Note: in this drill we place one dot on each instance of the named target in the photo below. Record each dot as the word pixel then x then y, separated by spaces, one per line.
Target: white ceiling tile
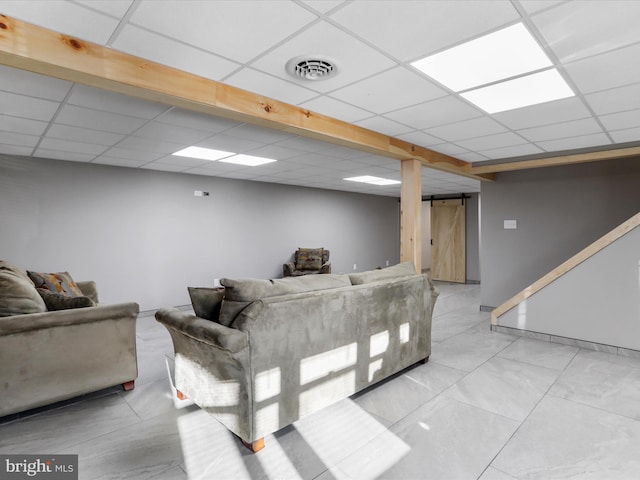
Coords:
pixel 97 120
pixel 333 108
pixel 471 157
pixel 270 86
pixel 22 125
pixel 71 146
pixel 18 139
pixel 374 94
pixel 515 151
pixel 171 133
pixel 532 6
pixel 136 155
pixel 115 8
pixel 15 150
pixel 217 168
pixel 257 134
pixel 62 155
pixel 64 17
pixel 198 121
pixel 561 130
pixel 575 142
pixel 184 162
pixel 31 84
pixel 119 162
pixel 155 146
pixel 437 112
pixel 89 97
pixel 609 70
pixel 448 149
pixel 615 100
pixel 27 107
pixel 65 132
pixel 276 152
pixel 408 29
pixel 618 121
pixel 419 138
pixel 543 114
pixel 227 143
pixel 595 27
pixel 475 127
pixel 210 25
pixel 354 59
pixel 159 49
pixel 163 167
pixel 627 135
pixel 323 6
pixel 384 126
pixel 492 141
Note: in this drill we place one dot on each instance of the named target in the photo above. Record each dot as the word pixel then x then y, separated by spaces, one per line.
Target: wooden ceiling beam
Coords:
pixel 555 161
pixel 39 50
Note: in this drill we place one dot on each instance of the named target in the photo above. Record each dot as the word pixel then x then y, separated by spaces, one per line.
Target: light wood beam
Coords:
pixel 555 161
pixel 410 213
pixel 36 49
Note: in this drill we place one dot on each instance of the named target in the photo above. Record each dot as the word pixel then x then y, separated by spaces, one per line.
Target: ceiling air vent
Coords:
pixel 311 68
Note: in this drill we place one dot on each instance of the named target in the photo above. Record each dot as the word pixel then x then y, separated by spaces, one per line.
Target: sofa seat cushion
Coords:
pixel 240 293
pixel 60 282
pixel 19 295
pixel 58 301
pixel 405 269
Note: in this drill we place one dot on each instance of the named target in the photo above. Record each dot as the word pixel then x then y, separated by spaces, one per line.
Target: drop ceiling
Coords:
pixel 594 45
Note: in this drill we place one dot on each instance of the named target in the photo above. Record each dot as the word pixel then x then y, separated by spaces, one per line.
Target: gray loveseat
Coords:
pixel 49 356
pixel 277 350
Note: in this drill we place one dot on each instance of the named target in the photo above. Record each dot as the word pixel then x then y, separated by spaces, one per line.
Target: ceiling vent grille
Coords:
pixel 311 68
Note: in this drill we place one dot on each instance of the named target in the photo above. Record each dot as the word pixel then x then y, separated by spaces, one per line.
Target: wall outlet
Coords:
pixel 216 282
pixel 200 193
pixel 386 263
pixel 510 224
pixel 355 267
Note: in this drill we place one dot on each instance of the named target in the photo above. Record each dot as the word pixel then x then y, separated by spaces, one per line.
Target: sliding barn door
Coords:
pixel 448 234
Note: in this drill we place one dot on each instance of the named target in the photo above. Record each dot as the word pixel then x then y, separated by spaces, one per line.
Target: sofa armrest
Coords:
pixel 60 318
pixel 326 267
pixel 207 331
pixel 89 289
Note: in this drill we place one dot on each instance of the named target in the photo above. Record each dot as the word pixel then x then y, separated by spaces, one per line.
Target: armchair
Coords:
pixel 308 261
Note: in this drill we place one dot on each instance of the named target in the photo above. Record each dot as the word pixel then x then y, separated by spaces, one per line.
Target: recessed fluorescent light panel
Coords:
pixel 202 153
pixel 247 160
pixel 373 180
pixel 493 59
pixel 524 91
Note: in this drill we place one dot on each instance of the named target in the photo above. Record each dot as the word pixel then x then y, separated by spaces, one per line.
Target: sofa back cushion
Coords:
pixel 19 295
pixel 405 269
pixel 240 293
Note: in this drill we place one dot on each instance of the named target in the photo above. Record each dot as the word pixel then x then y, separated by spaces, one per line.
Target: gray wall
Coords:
pixel 597 301
pixel 559 211
pixel 144 236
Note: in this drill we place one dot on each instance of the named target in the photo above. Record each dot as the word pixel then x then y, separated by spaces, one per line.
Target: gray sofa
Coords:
pixel 282 349
pixel 49 356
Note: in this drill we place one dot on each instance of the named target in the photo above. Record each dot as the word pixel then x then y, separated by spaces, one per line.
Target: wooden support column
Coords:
pixel 410 213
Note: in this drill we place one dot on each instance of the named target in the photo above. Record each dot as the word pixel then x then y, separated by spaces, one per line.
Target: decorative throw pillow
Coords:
pixel 309 258
pixel 58 301
pixel 19 295
pixel 60 282
pixel 206 301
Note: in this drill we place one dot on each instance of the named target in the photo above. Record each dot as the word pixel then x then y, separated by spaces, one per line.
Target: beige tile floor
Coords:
pixel 487 406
